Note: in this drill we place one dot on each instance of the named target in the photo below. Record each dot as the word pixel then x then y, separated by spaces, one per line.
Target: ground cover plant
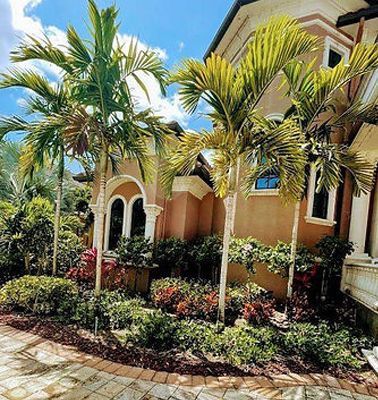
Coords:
pixel 129 326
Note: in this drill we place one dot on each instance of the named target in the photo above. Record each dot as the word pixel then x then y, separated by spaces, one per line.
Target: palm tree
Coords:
pixel 107 124
pixel 244 144
pixel 45 142
pixel 317 105
pixel 16 187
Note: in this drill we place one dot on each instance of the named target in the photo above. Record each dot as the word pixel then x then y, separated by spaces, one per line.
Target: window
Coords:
pixel 267 181
pixel 321 205
pixel 334 58
pixel 138 218
pixel 117 212
pixel 320 202
pixel 334 52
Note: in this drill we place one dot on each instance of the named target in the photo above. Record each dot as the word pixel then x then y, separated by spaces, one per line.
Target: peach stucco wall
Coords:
pixel 187 217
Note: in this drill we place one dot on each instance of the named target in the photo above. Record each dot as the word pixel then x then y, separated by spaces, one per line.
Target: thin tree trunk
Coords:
pixel 225 251
pixel 58 206
pixel 293 252
pixel 101 217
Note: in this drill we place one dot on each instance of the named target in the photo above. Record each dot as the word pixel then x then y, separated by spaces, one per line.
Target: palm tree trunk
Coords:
pixel 224 264
pixel 101 217
pixel 293 252
pixel 228 225
pixel 58 206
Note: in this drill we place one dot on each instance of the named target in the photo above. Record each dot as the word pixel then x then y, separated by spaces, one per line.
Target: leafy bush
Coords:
pixel 171 255
pixel 135 252
pixel 248 345
pixel 258 312
pixel 115 309
pixel 324 345
pixel 40 295
pixel 113 276
pixel 191 299
pixel 70 248
pixel 153 330
pixel 246 251
pixel 205 254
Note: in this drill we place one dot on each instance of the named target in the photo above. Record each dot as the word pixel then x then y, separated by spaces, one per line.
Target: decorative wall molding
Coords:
pixel 192 184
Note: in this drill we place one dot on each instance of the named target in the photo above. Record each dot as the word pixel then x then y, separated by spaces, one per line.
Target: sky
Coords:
pixel 175 29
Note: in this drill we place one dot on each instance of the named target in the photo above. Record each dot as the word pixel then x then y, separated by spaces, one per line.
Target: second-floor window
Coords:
pixel 269 180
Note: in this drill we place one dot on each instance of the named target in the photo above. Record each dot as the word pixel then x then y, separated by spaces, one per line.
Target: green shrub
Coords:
pixel 171 255
pixel 114 309
pixel 153 330
pixel 324 345
pixel 40 295
pixel 248 345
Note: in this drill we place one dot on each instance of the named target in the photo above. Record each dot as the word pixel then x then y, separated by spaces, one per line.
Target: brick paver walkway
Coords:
pixel 33 368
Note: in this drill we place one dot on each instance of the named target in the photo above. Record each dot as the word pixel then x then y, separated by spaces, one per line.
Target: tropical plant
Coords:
pixel 16 186
pixel 244 144
pixel 319 104
pixel 106 124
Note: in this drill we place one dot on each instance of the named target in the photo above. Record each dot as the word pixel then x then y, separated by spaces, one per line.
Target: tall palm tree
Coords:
pixel 107 124
pixel 45 142
pixel 244 143
pixel 316 97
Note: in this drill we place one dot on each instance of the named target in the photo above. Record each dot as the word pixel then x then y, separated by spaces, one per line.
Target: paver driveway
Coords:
pixel 32 368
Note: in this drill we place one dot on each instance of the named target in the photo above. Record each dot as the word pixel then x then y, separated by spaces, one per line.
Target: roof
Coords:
pixel 236 6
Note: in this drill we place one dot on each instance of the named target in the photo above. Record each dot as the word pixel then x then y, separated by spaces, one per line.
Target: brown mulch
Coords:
pixel 108 347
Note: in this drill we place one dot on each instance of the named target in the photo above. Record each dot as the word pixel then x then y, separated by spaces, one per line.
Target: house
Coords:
pixel 133 207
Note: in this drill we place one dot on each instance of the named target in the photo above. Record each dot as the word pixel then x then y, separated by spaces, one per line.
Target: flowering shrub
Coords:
pixel 113 276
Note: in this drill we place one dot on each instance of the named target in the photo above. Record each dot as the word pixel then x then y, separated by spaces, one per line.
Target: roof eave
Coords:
pixel 236 6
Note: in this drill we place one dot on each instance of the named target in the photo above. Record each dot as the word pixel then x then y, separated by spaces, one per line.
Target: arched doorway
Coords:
pixel 137 217
pixel 115 222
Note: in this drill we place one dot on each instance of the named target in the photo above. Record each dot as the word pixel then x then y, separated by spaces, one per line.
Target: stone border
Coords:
pixel 266 386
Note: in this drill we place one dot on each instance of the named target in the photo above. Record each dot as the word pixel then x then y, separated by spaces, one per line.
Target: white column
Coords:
pixel 152 212
pixel 374 226
pixel 358 225
pixel 94 209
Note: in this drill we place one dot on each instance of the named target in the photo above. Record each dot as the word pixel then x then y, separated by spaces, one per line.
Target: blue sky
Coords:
pixel 177 29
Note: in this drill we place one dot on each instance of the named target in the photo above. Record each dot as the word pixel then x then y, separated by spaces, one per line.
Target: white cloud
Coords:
pixel 181 46
pixel 18 20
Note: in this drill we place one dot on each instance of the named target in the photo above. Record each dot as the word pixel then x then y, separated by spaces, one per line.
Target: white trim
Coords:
pixel 118 180
pixel 152 212
pixel 264 192
pixel 328 28
pixel 319 221
pixel 192 184
pixel 108 218
pixel 329 221
pixel 130 213
pixel 277 117
pixel 339 48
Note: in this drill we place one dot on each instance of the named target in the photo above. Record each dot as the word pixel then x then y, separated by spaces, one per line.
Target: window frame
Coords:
pixel 130 212
pixel 329 221
pixel 108 218
pixel 332 44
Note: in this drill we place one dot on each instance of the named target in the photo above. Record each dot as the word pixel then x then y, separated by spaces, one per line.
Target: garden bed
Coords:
pixel 108 347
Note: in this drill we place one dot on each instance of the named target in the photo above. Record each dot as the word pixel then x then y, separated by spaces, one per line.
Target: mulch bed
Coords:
pixel 108 347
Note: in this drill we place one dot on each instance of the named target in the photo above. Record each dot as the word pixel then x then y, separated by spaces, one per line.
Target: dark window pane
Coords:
pixel 334 58
pixel 116 223
pixel 138 220
pixel 320 208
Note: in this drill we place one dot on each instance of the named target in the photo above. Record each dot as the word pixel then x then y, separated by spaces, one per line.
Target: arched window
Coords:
pixel 117 213
pixel 138 218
